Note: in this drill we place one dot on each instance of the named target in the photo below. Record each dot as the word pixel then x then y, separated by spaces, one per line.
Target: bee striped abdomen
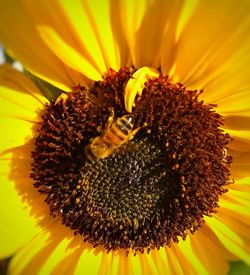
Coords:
pixel 119 130
pixel 112 137
pixel 125 125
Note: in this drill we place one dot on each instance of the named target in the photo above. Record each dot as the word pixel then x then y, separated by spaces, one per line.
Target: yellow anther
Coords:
pixel 135 85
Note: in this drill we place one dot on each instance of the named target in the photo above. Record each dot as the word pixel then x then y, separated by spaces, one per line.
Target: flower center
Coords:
pixel 149 188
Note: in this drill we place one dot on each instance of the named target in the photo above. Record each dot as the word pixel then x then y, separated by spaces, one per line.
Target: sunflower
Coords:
pixel 161 87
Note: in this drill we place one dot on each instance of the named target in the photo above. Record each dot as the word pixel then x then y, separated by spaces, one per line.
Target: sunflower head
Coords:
pixel 127 131
pixel 146 192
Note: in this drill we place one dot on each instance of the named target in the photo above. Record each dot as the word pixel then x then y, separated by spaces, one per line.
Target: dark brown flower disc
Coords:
pixel 149 191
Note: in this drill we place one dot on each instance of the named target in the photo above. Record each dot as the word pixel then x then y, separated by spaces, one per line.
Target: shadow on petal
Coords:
pixel 237 122
pixel 53 232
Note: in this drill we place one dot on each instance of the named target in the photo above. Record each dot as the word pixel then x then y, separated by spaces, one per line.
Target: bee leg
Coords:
pixel 110 119
pixel 133 133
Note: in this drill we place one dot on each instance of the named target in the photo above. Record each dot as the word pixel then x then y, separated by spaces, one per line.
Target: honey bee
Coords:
pixel 113 136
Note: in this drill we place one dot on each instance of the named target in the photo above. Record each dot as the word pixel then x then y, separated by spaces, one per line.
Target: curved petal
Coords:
pixel 231 222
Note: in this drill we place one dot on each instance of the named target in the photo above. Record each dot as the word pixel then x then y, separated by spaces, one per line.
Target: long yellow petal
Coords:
pixel 17 224
pixel 92 23
pixel 241 163
pixel 204 48
pixel 230 239
pixel 20 102
pixel 144 34
pixel 31 258
pixel 67 54
pixel 241 140
pixel 31 51
pixel 173 16
pixel 231 222
pixel 89 262
pixel 191 257
pixel 131 14
pixel 211 252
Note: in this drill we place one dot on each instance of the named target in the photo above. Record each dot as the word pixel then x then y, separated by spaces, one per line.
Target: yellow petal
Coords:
pixel 131 14
pixel 32 52
pixel 239 149
pixel 216 58
pixel 191 257
pixel 242 184
pixel 51 253
pixel 161 260
pixel 18 225
pixel 209 45
pixel 110 263
pixel 230 239
pixel 241 163
pixel 241 140
pixel 89 262
pixel 128 265
pixel 211 252
pixel 240 227
pixel 20 102
pixel 92 23
pixel 173 15
pixel 68 262
pixel 232 220
pixel 33 256
pixel 15 80
pixel 228 86
pixel 235 122
pixel 231 223
pixel 147 264
pixel 67 54
pixel 79 29
pixel 100 20
pixel 179 254
pixel 144 34
pixel 174 263
pixel 232 101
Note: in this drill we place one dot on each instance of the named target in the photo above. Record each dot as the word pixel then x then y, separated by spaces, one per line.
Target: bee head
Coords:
pixel 130 119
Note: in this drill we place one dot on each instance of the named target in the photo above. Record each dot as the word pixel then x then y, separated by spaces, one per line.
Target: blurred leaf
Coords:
pixel 48 90
pixel 239 268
